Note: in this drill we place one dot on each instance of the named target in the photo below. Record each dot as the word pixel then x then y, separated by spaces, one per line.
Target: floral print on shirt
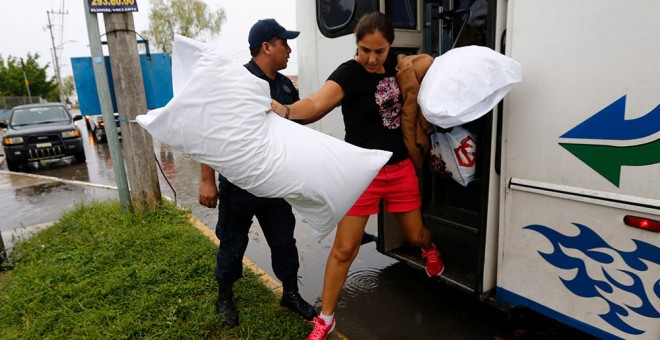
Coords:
pixel 388 98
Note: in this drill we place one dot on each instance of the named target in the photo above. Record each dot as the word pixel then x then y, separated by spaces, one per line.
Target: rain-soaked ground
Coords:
pixel 382 298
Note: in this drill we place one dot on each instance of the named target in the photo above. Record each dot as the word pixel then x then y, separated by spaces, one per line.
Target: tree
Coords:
pixel 190 18
pixel 12 82
pixel 69 86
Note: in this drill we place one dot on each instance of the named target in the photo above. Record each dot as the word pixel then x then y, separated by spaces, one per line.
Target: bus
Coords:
pixel 563 217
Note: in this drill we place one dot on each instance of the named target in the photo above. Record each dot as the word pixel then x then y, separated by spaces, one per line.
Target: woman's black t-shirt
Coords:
pixel 371 107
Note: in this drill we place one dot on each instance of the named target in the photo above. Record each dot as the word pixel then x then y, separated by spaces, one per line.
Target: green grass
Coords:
pixel 99 273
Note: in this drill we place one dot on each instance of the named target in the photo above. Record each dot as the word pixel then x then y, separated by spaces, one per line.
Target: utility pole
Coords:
pixel 27 82
pixel 105 101
pixel 56 61
pixel 137 144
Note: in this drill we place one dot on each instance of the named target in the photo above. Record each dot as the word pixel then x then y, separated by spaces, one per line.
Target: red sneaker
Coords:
pixel 434 265
pixel 321 330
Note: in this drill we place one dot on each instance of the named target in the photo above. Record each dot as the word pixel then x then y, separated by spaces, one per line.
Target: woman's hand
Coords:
pixel 278 108
pixel 309 110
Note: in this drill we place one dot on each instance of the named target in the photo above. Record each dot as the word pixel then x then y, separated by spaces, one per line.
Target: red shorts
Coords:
pixel 396 184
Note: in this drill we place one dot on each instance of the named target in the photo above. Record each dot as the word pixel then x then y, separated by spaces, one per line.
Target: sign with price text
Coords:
pixel 112 6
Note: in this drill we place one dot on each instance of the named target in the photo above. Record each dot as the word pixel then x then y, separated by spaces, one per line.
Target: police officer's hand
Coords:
pixel 208 194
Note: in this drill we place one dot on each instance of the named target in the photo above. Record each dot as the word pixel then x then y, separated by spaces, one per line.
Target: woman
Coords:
pixel 367 90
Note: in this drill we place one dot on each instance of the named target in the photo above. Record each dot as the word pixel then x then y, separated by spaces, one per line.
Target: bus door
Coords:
pixel 461 219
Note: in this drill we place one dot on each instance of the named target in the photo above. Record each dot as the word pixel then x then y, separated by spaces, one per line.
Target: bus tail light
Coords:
pixel 642 223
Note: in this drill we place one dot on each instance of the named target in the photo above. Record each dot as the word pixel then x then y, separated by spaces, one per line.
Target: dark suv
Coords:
pixel 39 132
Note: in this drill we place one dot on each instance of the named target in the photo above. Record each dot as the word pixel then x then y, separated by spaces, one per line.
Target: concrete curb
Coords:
pixel 57 179
pixel 11 236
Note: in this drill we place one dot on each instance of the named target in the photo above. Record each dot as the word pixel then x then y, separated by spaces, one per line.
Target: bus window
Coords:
pixel 335 14
pixel 402 12
pixel 466 24
pixel 336 18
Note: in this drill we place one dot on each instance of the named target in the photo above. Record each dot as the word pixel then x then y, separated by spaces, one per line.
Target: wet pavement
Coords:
pixel 382 298
pixel 31 202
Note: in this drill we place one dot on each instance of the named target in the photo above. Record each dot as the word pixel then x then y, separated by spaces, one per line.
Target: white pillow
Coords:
pixel 218 117
pixel 464 84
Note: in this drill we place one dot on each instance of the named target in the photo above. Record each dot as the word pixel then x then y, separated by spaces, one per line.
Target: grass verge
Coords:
pixel 101 273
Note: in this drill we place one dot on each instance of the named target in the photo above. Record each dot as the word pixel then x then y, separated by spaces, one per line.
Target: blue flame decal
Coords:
pixel 590 244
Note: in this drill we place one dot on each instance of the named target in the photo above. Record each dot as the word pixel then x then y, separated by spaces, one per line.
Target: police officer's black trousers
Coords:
pixel 237 208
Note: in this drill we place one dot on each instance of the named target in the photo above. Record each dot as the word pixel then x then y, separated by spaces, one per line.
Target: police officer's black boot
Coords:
pixel 292 300
pixel 225 304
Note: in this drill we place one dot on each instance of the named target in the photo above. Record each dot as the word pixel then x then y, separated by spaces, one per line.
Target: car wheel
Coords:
pixel 80 157
pixel 13 166
pixel 99 136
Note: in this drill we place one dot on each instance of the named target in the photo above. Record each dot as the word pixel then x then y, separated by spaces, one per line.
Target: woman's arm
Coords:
pixel 309 110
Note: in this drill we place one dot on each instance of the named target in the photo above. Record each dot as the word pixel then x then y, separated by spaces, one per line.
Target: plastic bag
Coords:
pixel 218 117
pixel 454 154
pixel 464 84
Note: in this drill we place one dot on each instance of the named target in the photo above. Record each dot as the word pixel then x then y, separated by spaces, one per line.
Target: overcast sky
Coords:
pixel 23 28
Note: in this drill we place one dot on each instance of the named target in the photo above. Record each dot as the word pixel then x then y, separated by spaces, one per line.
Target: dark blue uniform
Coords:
pixel 238 207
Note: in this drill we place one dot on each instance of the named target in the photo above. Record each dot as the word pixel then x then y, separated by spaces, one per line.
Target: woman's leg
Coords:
pixel 413 228
pixel 416 233
pixel 344 250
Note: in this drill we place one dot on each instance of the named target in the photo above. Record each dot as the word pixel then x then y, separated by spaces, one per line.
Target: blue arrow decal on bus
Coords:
pixel 610 124
pixel 594 249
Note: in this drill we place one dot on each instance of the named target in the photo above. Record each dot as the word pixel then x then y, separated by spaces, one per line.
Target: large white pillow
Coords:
pixel 464 84
pixel 218 117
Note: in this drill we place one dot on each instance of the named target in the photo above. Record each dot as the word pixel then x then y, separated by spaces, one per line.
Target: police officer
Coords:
pixel 270 54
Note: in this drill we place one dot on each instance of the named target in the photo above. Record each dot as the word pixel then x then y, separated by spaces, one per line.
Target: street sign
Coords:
pixel 112 6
